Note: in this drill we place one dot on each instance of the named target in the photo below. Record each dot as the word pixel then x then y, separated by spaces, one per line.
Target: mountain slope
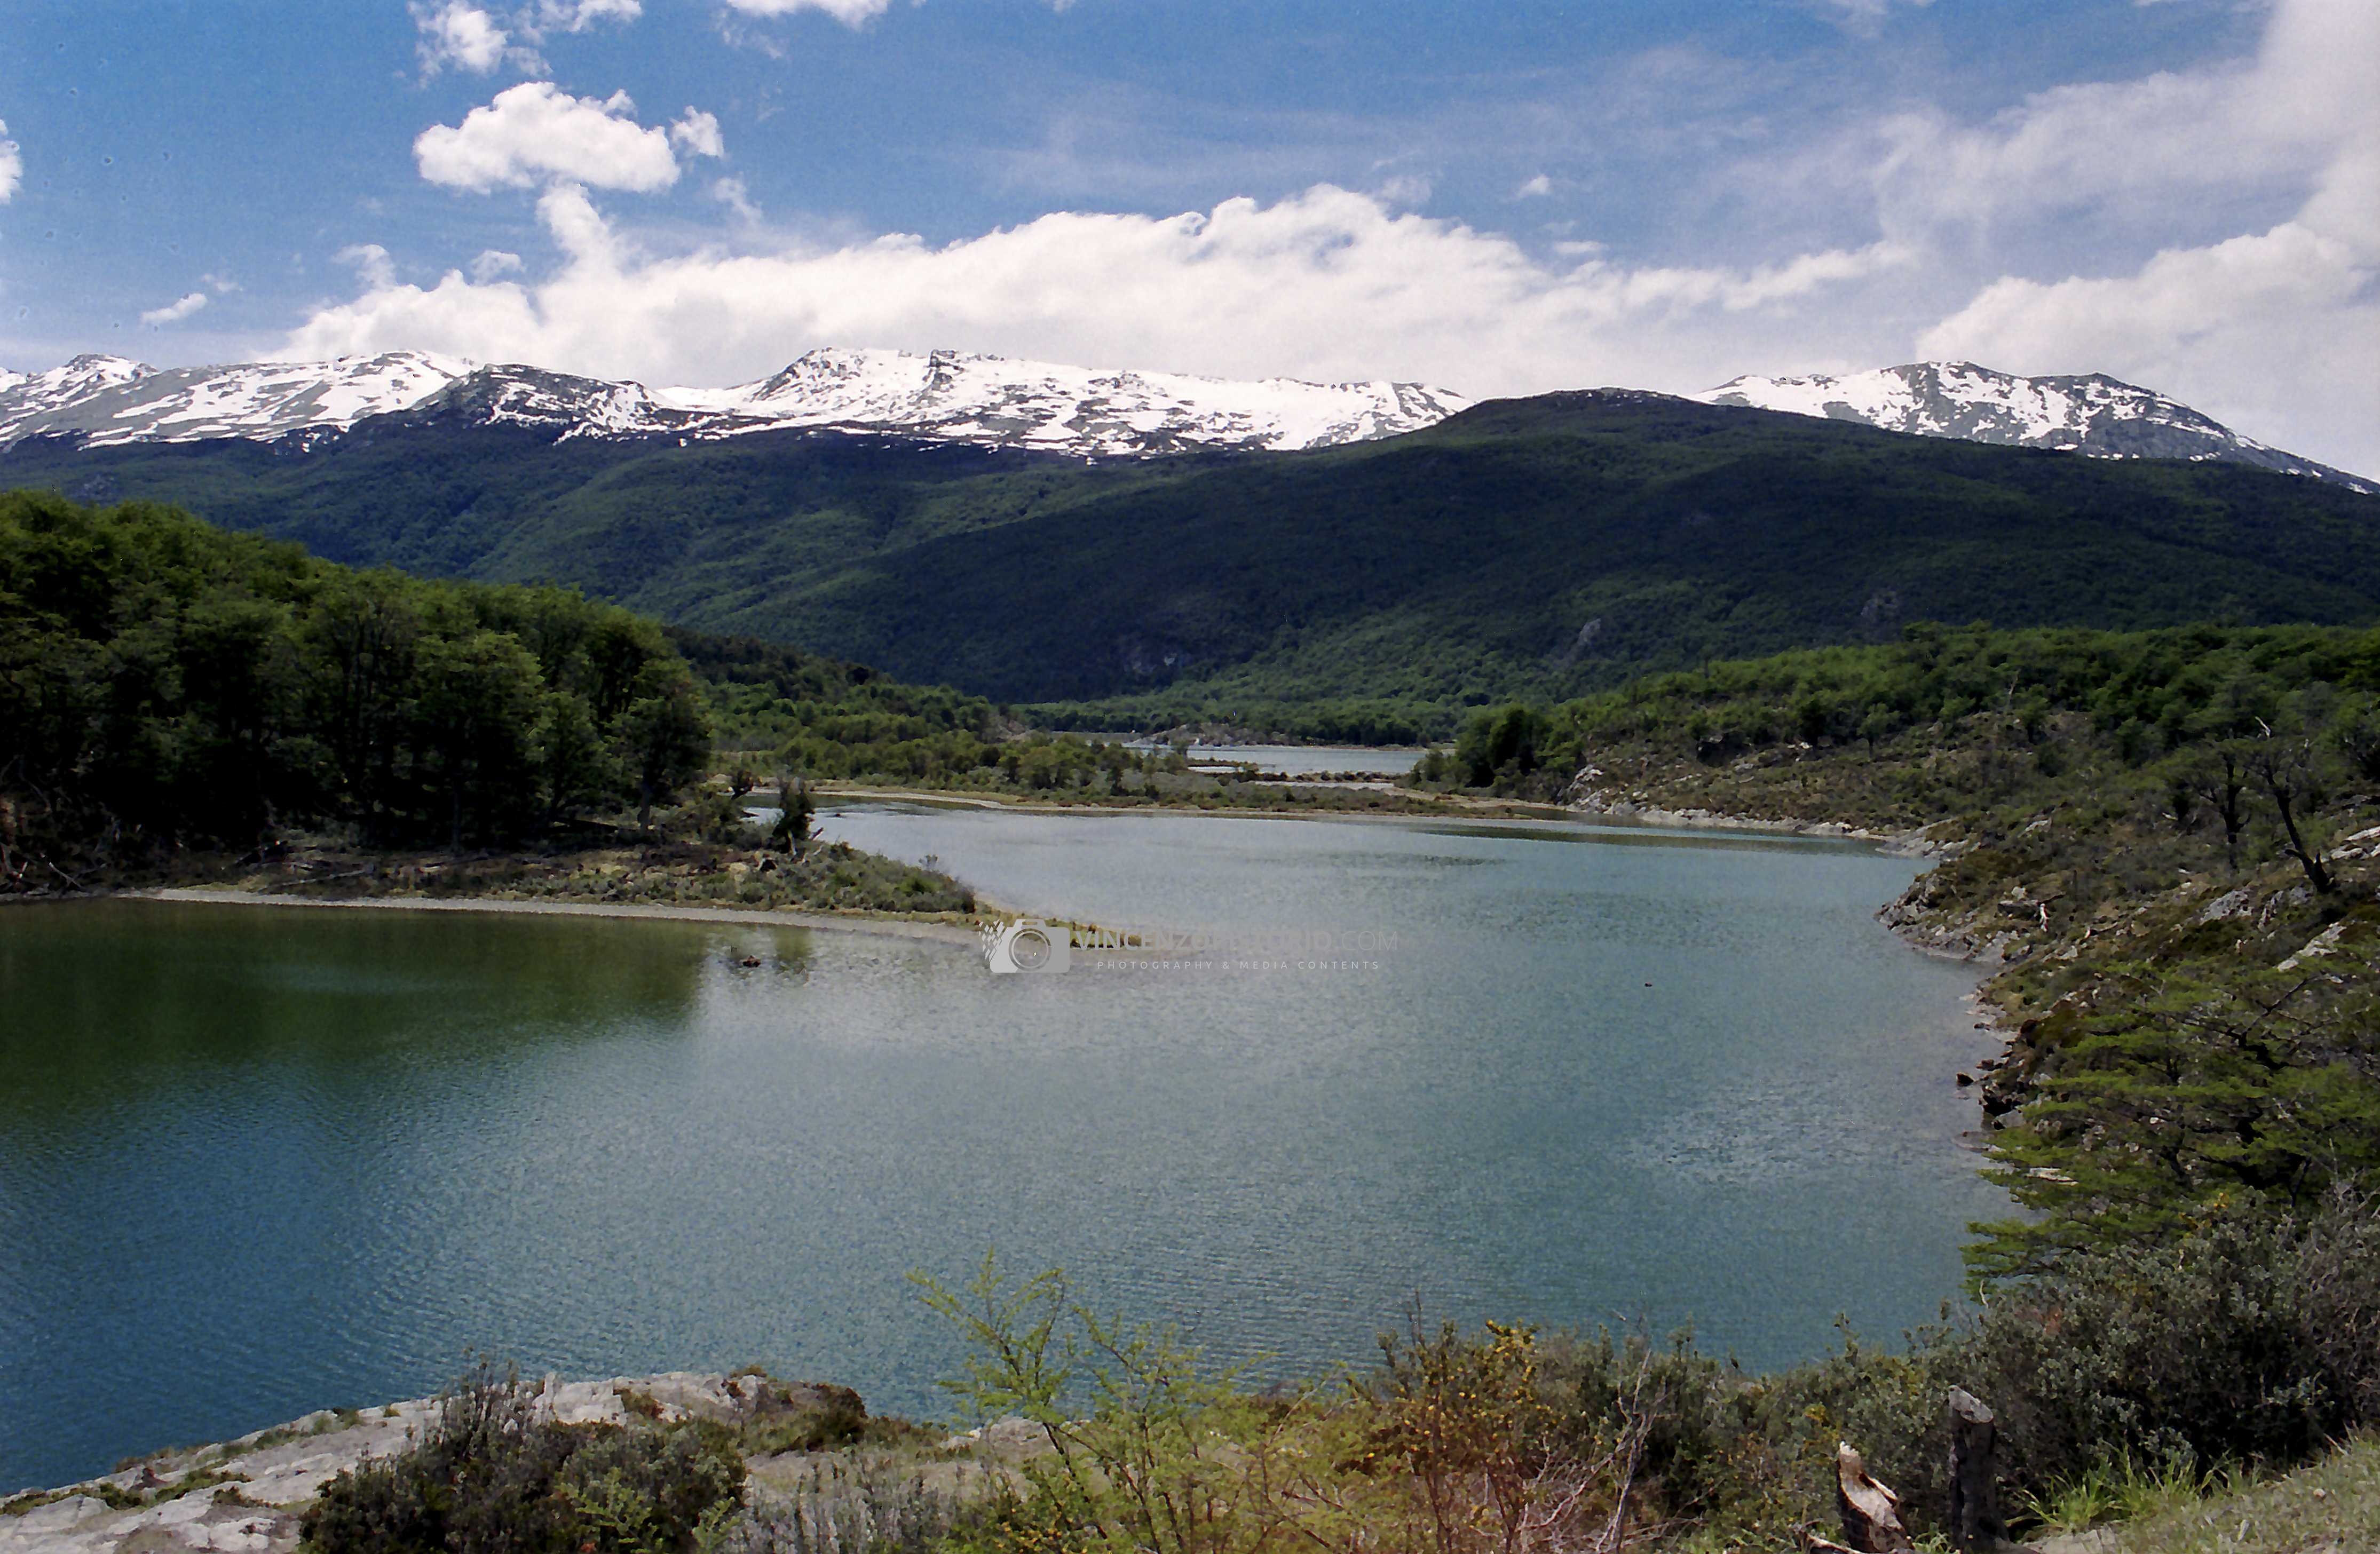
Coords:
pixel 947 396
pixel 1539 547
pixel 2092 413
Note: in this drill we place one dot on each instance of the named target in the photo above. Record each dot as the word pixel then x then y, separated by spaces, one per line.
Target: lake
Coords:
pixel 1305 761
pixel 257 1161
pixel 1291 760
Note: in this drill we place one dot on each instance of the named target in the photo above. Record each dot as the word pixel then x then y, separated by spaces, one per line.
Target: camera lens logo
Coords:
pixel 1027 945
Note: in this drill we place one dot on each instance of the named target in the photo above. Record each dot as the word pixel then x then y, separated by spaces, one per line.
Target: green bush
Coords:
pixel 2255 1339
pixel 496 1473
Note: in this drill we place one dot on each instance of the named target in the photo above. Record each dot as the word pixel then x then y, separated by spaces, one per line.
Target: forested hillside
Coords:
pixel 1541 548
pixel 165 684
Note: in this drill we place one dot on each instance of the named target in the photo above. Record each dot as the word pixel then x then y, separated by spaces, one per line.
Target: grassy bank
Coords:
pixel 2333 1504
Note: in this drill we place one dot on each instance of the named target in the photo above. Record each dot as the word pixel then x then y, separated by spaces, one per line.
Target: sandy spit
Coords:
pixel 891 927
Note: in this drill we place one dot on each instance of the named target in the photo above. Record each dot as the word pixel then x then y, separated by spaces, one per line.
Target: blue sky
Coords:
pixel 1497 198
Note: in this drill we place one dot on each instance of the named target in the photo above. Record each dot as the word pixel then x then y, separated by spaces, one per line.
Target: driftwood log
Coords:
pixel 1975 1521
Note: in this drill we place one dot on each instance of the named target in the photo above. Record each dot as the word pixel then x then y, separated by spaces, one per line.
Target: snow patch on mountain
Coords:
pixel 990 399
pixel 108 399
pixel 944 395
pixel 2089 414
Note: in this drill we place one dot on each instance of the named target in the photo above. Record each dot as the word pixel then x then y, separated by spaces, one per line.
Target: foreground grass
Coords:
pixel 2330 1507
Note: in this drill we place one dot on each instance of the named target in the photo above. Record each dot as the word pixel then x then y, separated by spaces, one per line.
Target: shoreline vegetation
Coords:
pixel 1092 1435
pixel 2160 849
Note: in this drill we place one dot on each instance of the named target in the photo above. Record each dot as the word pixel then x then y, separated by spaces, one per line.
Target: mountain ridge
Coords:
pixel 2088 413
pixel 1540 547
pixel 942 395
pixel 1084 413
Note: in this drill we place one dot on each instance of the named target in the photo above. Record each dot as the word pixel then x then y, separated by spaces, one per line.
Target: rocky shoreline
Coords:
pixel 248 1495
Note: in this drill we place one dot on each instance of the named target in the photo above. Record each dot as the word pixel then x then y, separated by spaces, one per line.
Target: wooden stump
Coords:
pixel 1975 1519
pixel 1871 1512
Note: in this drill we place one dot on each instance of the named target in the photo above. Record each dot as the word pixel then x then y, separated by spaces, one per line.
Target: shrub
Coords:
pixel 2253 1339
pixel 496 1471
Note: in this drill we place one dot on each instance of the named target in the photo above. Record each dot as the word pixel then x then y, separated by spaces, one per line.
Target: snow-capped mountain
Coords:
pixel 2093 414
pixel 992 401
pixel 106 399
pixel 945 396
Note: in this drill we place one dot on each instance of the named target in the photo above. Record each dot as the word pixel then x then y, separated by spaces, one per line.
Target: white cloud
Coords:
pixel 536 132
pixel 459 34
pixel 2274 329
pixel 699 133
pixel 851 13
pixel 2212 232
pixel 2130 148
pixel 732 193
pixel 2278 328
pixel 373 266
pixel 492 262
pixel 1863 16
pixel 12 165
pixel 577 15
pixel 222 285
pixel 1328 283
pixel 176 311
pixel 469 36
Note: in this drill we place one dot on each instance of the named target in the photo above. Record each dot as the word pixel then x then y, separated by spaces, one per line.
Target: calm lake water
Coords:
pixel 1295 760
pixel 255 1161
pixel 1301 760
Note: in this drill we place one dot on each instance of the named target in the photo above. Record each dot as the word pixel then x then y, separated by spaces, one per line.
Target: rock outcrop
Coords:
pixel 247 1495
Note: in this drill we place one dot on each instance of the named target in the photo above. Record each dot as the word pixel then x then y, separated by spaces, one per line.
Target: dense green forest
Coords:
pixel 1542 548
pixel 822 717
pixel 165 684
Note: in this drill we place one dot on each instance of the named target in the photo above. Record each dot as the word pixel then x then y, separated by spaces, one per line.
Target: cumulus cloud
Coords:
pixel 2210 232
pixel 851 13
pixel 175 311
pixel 374 269
pixel 536 132
pixel 699 133
pixel 2276 326
pixel 463 36
pixel 12 165
pixel 2233 130
pixel 1328 283
pixel 732 193
pixel 492 262
pixel 459 34
pixel 2269 330
pixel 577 15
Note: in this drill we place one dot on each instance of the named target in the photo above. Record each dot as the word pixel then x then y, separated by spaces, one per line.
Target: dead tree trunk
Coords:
pixel 1974 1474
pixel 1871 1513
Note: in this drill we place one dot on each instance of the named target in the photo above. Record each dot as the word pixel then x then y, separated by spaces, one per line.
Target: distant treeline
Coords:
pixel 2153 695
pixel 820 717
pixel 795 712
pixel 1354 721
pixel 166 683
